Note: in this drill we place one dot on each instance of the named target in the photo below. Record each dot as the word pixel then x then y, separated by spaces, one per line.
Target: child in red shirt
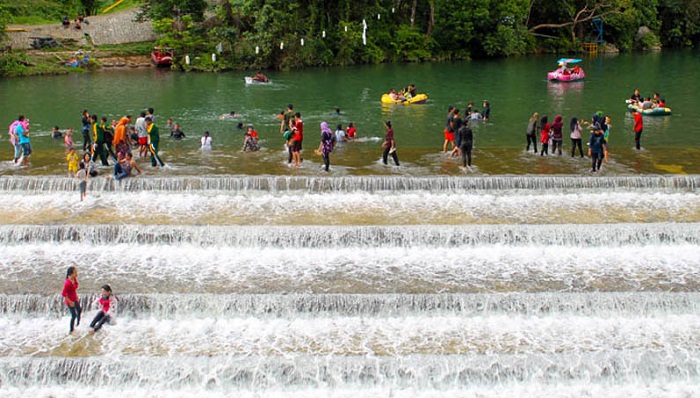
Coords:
pixel 106 302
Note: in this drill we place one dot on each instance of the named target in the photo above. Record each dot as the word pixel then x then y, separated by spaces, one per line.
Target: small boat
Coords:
pixel 564 74
pixel 416 99
pixel 658 111
pixel 253 80
pixel 162 56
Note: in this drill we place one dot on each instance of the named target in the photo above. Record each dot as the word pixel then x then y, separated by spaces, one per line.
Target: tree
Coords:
pixel 582 14
pixel 158 9
pixel 89 6
pixel 4 20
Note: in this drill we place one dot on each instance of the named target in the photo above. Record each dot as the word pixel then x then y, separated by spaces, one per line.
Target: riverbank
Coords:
pixel 107 41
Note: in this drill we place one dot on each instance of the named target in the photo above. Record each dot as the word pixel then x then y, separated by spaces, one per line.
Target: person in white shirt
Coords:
pixel 206 141
pixel 140 126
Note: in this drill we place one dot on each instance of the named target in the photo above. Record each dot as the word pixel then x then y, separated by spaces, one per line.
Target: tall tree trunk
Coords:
pixel 413 12
pixel 431 21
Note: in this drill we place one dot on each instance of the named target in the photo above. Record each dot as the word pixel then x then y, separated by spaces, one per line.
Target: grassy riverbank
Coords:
pixel 53 61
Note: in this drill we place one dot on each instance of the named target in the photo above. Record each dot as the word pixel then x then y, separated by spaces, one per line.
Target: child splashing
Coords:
pixel 106 302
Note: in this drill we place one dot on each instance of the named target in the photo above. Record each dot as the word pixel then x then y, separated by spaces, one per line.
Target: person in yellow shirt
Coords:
pixel 72 159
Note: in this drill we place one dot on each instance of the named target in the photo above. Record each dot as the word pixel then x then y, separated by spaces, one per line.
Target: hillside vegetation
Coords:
pixel 285 34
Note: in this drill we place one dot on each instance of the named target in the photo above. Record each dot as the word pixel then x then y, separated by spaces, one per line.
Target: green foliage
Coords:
pixel 410 45
pixel 90 7
pixel 160 9
pixel 406 31
pixel 5 18
pixel 680 22
pixel 183 36
pixel 38 11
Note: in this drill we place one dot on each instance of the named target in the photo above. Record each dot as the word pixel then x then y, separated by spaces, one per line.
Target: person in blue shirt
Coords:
pixel 22 131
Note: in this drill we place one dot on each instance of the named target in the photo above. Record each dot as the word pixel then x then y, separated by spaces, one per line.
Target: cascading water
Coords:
pixel 354 286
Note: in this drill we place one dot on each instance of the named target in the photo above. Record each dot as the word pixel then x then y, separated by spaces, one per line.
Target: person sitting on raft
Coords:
pixel 393 95
pixel 410 91
pixel 648 104
pixel 636 97
pixel 259 77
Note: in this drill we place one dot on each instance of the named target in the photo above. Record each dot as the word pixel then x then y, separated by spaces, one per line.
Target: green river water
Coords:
pixel 515 87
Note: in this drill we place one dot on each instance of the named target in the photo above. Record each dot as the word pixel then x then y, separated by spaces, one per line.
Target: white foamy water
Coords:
pixel 188 268
pixel 354 286
pixel 350 208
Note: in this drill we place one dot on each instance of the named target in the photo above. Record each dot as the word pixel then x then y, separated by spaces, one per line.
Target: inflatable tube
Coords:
pixel 558 76
pixel 416 99
pixel 250 80
pixel 650 112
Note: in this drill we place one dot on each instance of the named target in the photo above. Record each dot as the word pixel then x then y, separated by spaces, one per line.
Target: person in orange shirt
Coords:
pixel 120 131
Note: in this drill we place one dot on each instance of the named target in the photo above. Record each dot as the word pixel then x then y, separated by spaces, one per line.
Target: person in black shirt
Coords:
pixel 177 133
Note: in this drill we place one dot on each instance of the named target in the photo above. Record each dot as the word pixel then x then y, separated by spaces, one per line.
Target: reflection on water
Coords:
pixel 558 90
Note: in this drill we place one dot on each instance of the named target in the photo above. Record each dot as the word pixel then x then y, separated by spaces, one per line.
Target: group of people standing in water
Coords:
pixel 552 136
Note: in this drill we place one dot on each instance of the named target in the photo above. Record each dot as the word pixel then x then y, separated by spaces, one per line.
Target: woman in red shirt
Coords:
pixel 70 297
pixel 544 136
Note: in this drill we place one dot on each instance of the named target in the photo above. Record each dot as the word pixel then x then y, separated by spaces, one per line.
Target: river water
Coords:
pixel 515 87
pixel 238 276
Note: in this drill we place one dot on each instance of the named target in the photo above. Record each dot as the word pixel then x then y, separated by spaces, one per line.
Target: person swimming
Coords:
pixel 229 116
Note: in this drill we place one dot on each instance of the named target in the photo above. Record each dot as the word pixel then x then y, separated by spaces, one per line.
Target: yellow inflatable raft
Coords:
pixel 416 99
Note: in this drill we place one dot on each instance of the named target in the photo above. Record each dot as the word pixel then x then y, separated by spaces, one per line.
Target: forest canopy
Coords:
pixel 286 34
pixel 289 34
